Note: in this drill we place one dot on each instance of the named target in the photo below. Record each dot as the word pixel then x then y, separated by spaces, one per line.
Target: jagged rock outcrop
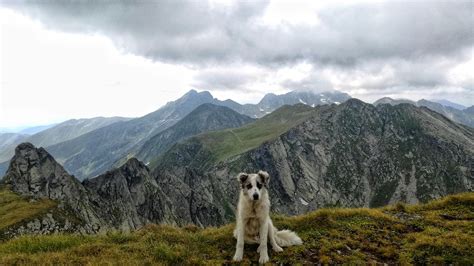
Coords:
pixel 130 197
pixel 125 198
pixel 34 172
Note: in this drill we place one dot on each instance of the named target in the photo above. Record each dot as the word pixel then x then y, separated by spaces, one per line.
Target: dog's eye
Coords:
pixel 249 186
pixel 259 185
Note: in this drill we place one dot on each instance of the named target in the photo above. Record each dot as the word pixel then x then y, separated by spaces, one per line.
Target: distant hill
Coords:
pixel 36 129
pixel 464 116
pixel 450 104
pixel 25 130
pixel 204 118
pixel 58 133
pixel 469 110
pixel 11 140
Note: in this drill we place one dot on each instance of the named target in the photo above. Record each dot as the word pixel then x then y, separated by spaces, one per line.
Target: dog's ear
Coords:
pixel 264 176
pixel 242 177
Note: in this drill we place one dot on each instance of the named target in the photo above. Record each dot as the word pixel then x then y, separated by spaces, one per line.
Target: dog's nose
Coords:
pixel 255 196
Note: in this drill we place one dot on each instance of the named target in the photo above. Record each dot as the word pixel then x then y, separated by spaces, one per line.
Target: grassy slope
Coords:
pixel 226 143
pixel 230 142
pixel 15 209
pixel 441 231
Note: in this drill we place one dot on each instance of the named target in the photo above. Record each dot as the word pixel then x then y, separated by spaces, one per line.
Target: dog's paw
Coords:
pixel 263 258
pixel 238 255
pixel 277 249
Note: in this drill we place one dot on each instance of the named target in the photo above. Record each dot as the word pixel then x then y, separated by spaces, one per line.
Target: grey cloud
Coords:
pixel 197 32
pixel 420 40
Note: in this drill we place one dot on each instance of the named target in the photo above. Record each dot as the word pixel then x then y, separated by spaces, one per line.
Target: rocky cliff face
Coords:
pixel 353 154
pixel 34 172
pixel 130 197
pixel 125 198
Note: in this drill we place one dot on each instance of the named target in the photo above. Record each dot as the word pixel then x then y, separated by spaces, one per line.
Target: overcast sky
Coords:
pixel 74 59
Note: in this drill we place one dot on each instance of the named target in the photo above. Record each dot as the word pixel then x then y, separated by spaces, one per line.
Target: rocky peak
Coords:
pixel 131 173
pixel 135 171
pixel 124 198
pixel 193 95
pixel 269 97
pixel 130 196
pixel 391 101
pixel 354 103
pixel 34 172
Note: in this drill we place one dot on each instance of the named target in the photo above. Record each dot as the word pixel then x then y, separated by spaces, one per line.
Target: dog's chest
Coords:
pixel 252 226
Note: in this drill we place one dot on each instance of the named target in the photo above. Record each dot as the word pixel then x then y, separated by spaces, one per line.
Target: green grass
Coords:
pixel 440 232
pixel 15 209
pixel 230 142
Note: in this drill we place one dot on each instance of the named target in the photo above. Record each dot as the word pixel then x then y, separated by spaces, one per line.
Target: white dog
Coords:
pixel 253 218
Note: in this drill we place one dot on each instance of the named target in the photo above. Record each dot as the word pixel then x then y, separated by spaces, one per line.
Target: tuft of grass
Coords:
pixel 42 244
pixel 15 209
pixel 440 232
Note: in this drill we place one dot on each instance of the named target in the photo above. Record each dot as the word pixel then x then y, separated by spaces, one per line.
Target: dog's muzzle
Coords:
pixel 255 196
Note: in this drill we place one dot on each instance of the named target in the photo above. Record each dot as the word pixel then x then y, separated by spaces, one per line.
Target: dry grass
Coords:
pixel 440 232
pixel 14 209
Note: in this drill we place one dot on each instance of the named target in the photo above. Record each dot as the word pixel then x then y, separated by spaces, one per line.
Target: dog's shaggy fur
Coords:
pixel 253 218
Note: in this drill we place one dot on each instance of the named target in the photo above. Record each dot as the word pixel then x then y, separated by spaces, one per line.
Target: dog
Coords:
pixel 253 223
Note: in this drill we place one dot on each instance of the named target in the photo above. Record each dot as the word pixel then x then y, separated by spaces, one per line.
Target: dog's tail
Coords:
pixel 286 238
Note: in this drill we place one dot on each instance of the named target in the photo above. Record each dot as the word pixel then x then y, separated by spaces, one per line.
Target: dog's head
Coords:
pixel 254 184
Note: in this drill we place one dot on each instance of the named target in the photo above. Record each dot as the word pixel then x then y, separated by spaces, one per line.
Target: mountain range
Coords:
pixel 349 154
pixel 455 112
pixel 74 143
pixel 96 151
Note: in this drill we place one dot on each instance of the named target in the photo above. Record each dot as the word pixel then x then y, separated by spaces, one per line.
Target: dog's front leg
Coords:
pixel 239 248
pixel 263 242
